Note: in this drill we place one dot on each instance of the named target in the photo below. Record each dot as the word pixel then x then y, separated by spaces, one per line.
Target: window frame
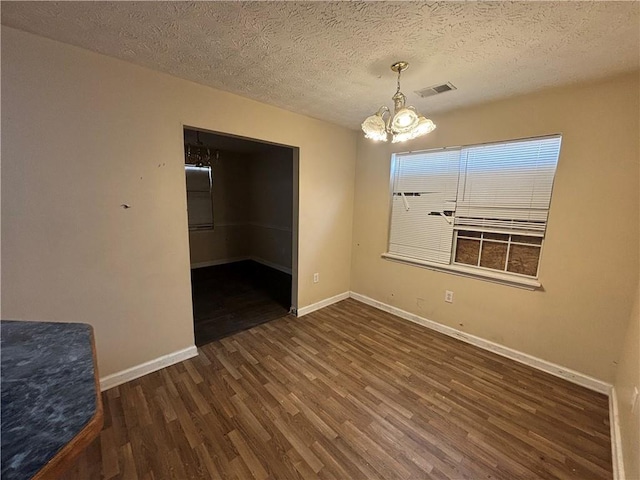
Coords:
pixel 503 277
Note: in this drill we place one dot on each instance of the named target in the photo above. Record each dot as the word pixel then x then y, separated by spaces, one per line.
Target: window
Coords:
pixel 479 210
pixel 199 198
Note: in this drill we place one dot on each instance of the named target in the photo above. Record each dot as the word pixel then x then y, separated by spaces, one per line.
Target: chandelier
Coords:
pixel 199 154
pixel 405 123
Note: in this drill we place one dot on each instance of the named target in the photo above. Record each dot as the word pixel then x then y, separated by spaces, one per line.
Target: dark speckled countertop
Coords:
pixel 48 392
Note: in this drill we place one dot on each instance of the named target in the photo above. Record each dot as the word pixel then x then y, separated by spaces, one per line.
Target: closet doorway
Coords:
pixel 243 210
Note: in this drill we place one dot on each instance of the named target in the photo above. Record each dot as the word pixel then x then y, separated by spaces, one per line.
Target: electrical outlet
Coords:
pixel 448 296
pixel 634 400
pixel 316 277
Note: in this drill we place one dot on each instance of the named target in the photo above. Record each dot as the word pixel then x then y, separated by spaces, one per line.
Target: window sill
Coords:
pixel 495 277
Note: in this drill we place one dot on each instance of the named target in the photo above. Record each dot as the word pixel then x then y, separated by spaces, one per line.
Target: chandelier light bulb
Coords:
pixel 405 123
pixel 404 120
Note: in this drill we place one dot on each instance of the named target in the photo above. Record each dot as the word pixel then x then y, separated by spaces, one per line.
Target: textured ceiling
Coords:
pixel 330 60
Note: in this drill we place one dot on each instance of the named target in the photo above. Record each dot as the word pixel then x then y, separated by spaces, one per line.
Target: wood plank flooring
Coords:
pixel 237 296
pixel 349 392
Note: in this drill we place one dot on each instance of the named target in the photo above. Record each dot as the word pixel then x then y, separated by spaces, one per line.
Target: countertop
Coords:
pixel 49 393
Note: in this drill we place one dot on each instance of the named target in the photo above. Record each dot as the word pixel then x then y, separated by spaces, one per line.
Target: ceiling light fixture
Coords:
pixel 405 123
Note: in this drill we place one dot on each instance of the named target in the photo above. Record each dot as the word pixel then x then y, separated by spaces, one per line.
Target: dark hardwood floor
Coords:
pixel 349 392
pixel 236 296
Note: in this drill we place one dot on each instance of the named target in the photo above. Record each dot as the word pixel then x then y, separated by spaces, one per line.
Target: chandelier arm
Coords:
pixel 382 110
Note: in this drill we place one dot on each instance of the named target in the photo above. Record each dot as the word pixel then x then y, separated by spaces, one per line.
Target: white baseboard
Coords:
pixel 322 303
pixel 271 264
pixel 143 369
pixel 616 439
pixel 221 261
pixel 524 358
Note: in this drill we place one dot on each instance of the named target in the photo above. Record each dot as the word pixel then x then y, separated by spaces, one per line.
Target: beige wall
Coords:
pixel 252 203
pixel 82 134
pixel 589 266
pixel 270 213
pixel 230 237
pixel 223 244
pixel 628 378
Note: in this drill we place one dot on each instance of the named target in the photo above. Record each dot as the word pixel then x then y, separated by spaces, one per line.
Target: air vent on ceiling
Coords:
pixel 436 89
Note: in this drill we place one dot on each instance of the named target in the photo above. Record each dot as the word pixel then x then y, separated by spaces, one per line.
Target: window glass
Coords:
pixel 523 259
pixel 467 251
pixel 494 255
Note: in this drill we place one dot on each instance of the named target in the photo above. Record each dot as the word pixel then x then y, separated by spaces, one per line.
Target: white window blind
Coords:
pixel 199 200
pixel 425 187
pixel 479 211
pixel 507 186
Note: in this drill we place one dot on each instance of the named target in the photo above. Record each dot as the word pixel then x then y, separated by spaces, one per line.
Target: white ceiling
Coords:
pixel 330 60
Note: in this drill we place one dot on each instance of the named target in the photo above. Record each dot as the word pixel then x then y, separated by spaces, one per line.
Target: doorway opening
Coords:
pixel 243 219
